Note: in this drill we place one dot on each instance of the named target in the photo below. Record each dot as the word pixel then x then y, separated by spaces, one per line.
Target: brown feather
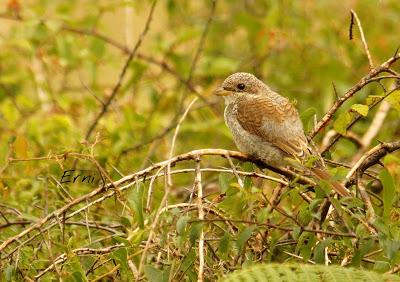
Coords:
pixel 252 114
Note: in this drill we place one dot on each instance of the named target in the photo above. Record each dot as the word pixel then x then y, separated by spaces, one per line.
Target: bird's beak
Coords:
pixel 220 91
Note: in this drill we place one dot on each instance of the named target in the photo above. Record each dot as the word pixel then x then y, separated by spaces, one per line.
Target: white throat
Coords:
pixel 229 99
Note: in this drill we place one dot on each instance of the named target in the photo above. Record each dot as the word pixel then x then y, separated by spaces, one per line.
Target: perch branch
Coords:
pixel 141 175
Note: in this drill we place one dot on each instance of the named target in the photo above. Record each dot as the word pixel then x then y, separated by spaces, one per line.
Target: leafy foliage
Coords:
pixel 60 62
pixel 300 272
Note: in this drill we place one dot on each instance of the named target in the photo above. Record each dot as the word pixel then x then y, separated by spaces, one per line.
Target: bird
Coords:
pixel 267 126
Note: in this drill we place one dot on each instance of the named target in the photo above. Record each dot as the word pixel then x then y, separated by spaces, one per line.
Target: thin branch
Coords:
pixel 369 159
pixel 239 180
pixel 162 64
pixel 350 93
pixel 178 126
pixel 202 41
pixel 337 136
pixel 198 51
pixel 364 41
pixel 351 26
pixel 141 175
pixel 279 227
pixel 79 252
pixel 152 233
pixel 199 188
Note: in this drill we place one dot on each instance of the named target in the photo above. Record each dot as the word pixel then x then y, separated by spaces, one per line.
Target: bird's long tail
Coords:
pixel 322 174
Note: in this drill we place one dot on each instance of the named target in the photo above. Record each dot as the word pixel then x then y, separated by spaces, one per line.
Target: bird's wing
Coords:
pixel 276 122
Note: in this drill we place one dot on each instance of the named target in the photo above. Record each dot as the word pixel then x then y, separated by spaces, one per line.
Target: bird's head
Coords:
pixel 241 83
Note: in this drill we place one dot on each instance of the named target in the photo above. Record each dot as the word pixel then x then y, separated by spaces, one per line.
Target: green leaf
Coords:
pixel 156 275
pixel 341 123
pixel 195 232
pixel 224 245
pixel 234 203
pixel 153 274
pixel 125 221
pixel 372 99
pixel 247 183
pixel 181 224
pixel 361 251
pixel 361 109
pixel 307 118
pixel 9 273
pixel 223 180
pixel 135 199
pixel 121 256
pixel 76 269
pixel 319 251
pixel 381 266
pixel 390 247
pixel 388 191
pixel 262 215
pixel 243 237
pixel 305 244
pixel 188 260
pixel 304 215
pixel 394 100
pixel 97 47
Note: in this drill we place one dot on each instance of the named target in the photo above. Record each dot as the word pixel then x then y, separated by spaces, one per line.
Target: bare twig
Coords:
pixel 364 41
pixel 79 252
pixel 199 188
pixel 178 126
pixel 279 227
pixel 198 51
pixel 239 180
pixel 152 232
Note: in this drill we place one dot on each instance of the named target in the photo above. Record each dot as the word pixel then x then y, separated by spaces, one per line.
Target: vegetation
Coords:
pixel 116 164
pixel 298 272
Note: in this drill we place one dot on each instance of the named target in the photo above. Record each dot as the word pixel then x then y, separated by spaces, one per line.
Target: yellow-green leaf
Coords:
pixel 394 100
pixel 361 109
pixel 372 99
pixel 340 124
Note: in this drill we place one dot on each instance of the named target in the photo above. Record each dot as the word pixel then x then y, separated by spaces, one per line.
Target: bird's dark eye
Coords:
pixel 241 86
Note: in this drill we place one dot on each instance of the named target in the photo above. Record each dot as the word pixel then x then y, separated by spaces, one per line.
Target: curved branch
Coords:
pixel 142 174
pixel 369 159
